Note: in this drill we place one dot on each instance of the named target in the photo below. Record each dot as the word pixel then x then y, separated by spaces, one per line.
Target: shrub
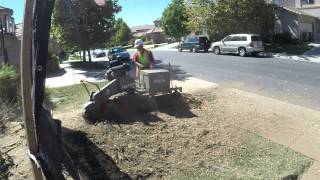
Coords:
pixel 285 38
pixel 9 84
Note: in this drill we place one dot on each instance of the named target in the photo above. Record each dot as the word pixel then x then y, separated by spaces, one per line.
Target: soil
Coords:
pixel 178 132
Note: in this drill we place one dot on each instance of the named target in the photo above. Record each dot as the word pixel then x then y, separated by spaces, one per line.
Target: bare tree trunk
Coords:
pixel 80 54
pixel 84 56
pixel 89 54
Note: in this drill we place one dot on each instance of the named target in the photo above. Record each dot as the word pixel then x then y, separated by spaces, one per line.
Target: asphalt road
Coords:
pixel 291 81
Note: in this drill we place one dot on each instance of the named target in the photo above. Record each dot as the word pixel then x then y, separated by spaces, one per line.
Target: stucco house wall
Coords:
pixel 12 43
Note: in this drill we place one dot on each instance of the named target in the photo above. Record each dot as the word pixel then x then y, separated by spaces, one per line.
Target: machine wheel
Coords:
pixel 242 52
pixel 216 50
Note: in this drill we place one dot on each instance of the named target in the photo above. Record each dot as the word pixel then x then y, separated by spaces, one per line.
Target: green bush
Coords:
pixel 285 38
pixel 9 84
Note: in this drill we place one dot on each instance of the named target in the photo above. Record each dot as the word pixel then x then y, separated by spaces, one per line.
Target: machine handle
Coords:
pixel 84 84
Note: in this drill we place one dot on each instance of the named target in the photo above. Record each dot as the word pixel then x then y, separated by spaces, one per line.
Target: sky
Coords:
pixel 134 12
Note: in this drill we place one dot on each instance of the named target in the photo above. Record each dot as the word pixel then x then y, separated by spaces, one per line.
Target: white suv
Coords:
pixel 242 44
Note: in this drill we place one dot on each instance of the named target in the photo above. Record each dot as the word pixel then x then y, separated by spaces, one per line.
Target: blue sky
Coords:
pixel 134 12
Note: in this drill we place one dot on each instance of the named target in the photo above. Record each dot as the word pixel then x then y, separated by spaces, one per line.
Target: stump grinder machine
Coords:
pixel 150 83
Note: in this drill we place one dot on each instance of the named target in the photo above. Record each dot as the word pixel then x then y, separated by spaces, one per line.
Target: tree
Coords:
pixel 230 16
pixel 244 16
pixel 200 13
pixel 174 19
pixel 82 24
pixel 123 33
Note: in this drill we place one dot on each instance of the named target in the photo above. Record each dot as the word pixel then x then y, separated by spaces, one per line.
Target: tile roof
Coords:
pixel 144 27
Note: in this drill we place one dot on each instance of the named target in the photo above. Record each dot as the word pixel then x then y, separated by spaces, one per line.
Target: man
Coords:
pixel 143 58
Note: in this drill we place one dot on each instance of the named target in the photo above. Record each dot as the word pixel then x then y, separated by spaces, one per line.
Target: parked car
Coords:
pixel 242 44
pixel 118 53
pixel 98 53
pixel 195 44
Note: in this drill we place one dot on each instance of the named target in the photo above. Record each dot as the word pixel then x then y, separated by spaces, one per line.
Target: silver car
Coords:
pixel 242 44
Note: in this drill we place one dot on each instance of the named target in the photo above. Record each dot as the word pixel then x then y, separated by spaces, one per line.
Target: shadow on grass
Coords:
pixel 97 65
pixel 90 161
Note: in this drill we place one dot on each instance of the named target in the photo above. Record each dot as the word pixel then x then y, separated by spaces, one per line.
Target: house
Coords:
pixel 10 41
pixel 152 33
pixel 300 18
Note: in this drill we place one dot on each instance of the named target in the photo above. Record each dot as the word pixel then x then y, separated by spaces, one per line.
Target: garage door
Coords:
pixel 306 27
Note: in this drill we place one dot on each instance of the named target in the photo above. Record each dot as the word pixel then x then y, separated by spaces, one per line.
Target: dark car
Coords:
pixel 118 53
pixel 98 53
pixel 195 44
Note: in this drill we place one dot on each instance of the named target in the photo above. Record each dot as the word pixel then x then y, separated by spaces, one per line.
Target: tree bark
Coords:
pixel 89 55
pixel 84 55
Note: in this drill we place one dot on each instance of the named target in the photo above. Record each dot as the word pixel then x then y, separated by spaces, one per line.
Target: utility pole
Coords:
pixel 25 61
pixel 4 50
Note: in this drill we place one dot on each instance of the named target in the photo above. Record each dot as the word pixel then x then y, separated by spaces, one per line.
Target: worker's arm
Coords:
pixel 135 60
pixel 151 59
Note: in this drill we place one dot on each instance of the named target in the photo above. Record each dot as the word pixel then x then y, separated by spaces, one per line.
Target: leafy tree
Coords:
pixel 200 13
pixel 224 17
pixel 82 24
pixel 244 16
pixel 174 19
pixel 123 33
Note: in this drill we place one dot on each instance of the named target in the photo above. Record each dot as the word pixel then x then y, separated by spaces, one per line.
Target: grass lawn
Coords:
pixel 290 49
pixel 259 158
pixel 255 157
pixel 75 95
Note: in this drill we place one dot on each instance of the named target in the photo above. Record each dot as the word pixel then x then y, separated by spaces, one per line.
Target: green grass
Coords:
pixel 74 57
pixel 259 159
pixel 75 96
pixel 291 49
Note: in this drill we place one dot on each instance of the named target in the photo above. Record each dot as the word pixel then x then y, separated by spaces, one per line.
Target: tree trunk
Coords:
pixel 84 56
pixel 80 54
pixel 89 55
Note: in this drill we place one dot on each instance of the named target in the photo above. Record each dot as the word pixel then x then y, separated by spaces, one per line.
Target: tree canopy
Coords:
pixel 174 19
pixel 82 24
pixel 223 17
pixel 123 33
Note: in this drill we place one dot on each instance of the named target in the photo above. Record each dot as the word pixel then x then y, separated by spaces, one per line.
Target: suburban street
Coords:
pixel 286 80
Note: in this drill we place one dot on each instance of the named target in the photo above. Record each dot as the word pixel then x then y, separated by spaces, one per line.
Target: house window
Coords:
pixel 304 2
pixel 10 29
